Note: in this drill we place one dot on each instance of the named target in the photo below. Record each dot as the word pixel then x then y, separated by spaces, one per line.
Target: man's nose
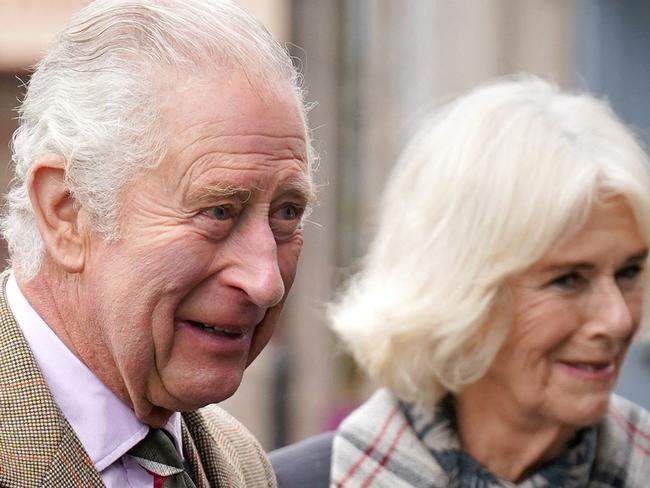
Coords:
pixel 611 311
pixel 258 270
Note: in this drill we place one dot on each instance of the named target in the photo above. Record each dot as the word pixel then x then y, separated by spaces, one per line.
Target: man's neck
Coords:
pixel 48 296
pixel 56 299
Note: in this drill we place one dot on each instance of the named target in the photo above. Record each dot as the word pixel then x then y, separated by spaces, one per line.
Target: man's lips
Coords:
pixel 232 332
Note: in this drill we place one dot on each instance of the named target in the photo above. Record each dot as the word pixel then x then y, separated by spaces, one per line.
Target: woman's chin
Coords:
pixel 585 411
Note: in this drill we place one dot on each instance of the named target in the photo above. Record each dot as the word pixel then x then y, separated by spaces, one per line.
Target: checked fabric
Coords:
pixel 157 454
pixel 387 443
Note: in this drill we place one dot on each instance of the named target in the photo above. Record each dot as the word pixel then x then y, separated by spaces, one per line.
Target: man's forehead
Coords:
pixel 232 96
pixel 227 139
pixel 235 119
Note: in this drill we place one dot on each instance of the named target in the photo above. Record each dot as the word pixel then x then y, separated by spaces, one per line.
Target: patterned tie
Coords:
pixel 156 454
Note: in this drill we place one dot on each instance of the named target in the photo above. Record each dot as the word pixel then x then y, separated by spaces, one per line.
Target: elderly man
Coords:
pixel 154 227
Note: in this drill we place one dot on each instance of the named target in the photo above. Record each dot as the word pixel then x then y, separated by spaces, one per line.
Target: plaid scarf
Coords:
pixel 387 443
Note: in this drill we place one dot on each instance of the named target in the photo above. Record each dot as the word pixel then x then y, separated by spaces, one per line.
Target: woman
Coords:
pixel 498 299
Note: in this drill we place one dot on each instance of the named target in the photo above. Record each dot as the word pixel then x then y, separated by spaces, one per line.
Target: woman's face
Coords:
pixel 574 314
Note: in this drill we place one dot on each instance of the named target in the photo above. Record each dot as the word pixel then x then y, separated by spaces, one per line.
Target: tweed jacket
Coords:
pixel 38 447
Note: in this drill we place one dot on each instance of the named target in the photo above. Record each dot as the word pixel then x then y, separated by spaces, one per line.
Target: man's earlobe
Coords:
pixel 57 214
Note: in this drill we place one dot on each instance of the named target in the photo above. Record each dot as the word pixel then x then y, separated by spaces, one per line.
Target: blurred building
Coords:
pixel 374 67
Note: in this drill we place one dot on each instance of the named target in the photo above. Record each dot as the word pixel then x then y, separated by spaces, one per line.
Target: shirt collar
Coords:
pixel 106 427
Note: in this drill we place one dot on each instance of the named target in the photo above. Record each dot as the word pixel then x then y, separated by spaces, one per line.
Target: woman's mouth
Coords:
pixel 591 370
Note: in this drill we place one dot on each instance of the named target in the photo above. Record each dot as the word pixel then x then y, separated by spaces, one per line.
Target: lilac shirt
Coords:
pixel 106 427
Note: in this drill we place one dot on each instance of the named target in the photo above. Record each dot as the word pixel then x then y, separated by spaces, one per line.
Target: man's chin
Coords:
pixel 157 414
pixel 154 417
pixel 188 396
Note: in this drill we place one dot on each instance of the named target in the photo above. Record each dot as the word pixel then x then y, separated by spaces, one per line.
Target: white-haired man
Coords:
pixel 154 227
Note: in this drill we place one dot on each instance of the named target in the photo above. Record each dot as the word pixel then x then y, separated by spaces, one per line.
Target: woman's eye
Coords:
pixel 629 273
pixel 221 212
pixel 568 281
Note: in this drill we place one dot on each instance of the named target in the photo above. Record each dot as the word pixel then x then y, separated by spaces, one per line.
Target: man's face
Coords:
pixel 209 244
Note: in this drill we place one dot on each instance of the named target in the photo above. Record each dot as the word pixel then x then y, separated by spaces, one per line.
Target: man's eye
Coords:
pixel 288 212
pixel 569 281
pixel 286 220
pixel 221 212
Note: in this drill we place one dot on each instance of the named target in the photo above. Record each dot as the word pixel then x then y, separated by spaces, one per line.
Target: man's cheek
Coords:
pixel 264 331
pixel 288 257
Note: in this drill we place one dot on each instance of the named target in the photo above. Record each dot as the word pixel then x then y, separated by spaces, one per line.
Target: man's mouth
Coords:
pixel 234 334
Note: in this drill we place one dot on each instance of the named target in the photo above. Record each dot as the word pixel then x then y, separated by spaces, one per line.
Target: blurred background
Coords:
pixel 374 67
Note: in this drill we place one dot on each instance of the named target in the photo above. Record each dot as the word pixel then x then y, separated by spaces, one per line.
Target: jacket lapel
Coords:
pixel 226 452
pixel 38 448
pixel 193 458
pixel 203 454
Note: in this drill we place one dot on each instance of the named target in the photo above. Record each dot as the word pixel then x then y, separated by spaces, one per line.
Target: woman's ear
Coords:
pixel 57 213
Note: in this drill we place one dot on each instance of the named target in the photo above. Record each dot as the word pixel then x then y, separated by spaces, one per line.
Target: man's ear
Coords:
pixel 57 214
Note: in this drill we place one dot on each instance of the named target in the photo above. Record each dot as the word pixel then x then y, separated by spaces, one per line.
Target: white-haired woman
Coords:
pixel 498 299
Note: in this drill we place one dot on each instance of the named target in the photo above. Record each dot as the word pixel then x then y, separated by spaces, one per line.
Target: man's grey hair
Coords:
pixel 93 100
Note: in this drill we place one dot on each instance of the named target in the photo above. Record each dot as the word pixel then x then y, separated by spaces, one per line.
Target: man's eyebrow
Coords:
pixel 221 191
pixel 302 188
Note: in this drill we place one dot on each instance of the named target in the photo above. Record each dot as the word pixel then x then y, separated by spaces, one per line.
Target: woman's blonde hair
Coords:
pixel 482 191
